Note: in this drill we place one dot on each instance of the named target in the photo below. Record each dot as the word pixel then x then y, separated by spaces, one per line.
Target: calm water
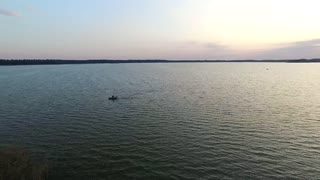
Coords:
pixel 172 121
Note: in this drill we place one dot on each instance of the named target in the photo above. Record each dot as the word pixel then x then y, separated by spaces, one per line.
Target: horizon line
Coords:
pixel 107 59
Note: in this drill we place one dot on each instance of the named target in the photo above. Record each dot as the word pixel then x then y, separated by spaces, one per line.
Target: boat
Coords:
pixel 113 98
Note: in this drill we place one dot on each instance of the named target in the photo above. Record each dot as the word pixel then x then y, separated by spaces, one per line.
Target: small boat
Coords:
pixel 113 98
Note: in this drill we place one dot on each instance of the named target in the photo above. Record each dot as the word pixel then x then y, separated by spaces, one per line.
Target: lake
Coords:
pixel 171 121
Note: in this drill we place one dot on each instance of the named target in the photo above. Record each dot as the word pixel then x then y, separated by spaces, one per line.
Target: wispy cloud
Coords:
pixel 33 9
pixel 298 49
pixel 203 50
pixel 9 13
pixel 212 45
pixel 209 45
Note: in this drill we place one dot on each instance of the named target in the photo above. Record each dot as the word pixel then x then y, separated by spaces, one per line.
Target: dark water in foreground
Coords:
pixel 172 121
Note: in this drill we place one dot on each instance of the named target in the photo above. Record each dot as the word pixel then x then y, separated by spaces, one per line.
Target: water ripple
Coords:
pixel 172 121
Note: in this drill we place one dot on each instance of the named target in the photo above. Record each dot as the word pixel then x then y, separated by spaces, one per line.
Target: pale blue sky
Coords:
pixel 159 29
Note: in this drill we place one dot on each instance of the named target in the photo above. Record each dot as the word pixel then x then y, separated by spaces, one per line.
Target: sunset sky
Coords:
pixel 160 29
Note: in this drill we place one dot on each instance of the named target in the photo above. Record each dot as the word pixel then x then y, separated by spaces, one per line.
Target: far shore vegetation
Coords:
pixel 13 62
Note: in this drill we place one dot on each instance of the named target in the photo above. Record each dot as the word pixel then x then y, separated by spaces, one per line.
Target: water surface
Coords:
pixel 172 121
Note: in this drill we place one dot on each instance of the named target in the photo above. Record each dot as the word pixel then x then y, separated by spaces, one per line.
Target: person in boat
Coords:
pixel 113 97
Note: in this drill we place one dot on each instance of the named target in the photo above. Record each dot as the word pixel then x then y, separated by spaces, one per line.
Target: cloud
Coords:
pixel 9 13
pixel 209 45
pixel 191 42
pixel 214 45
pixel 212 50
pixel 293 50
pixel 33 9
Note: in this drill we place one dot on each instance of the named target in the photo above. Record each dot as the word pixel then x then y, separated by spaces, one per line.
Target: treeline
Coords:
pixel 13 62
pixel 59 61
pixel 304 61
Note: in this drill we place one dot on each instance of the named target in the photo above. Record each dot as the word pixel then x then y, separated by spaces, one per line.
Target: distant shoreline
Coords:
pixel 4 62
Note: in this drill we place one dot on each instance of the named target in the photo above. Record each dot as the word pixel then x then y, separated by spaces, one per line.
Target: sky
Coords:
pixel 159 29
